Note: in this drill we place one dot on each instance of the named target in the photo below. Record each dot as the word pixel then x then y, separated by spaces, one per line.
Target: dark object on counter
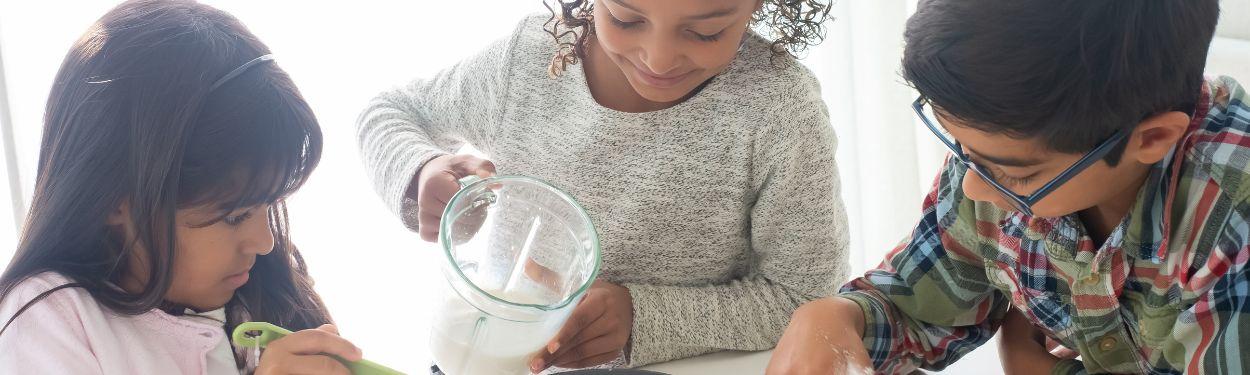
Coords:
pixel 435 371
pixel 611 372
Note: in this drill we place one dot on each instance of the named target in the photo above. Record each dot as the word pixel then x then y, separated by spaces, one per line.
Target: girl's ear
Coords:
pixel 120 216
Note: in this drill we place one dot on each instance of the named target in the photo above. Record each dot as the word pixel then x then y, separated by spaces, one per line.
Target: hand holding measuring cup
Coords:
pixel 437 182
pixel 595 333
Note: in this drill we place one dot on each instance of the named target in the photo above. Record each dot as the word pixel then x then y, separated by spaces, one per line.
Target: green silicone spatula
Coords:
pixel 260 334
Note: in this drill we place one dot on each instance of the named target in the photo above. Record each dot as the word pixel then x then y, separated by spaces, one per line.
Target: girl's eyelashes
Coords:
pixel 629 25
pixel 622 24
pixel 708 38
pixel 237 219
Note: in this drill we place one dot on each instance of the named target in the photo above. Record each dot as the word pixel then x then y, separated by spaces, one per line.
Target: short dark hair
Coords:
pixel 1069 72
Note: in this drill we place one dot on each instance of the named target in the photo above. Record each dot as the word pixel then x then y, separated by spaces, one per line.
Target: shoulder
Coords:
pixel 56 324
pixel 33 286
pixel 59 334
pixel 532 45
pixel 757 74
pixel 1220 145
pixel 531 31
pixel 57 305
pixel 776 96
pixel 527 55
pixel 1213 189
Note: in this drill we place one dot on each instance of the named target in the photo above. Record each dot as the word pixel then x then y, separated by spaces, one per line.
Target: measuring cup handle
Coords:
pixel 468 180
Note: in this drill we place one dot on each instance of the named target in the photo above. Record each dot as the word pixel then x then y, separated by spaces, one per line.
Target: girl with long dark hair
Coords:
pixel 171 139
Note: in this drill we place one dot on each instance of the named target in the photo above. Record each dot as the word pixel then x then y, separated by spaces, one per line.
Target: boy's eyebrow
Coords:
pixel 1005 161
pixel 1001 161
pixel 712 14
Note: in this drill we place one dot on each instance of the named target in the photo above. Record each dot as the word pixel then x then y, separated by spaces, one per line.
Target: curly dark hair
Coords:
pixel 793 26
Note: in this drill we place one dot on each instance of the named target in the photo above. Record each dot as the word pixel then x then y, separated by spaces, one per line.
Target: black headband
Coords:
pixel 242 68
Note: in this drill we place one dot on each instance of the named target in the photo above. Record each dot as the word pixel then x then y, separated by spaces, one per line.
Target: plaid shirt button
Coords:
pixel 1107 343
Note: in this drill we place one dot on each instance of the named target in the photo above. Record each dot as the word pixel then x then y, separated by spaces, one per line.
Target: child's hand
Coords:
pixel 438 181
pixel 595 333
pixel 823 338
pixel 1021 347
pixel 306 352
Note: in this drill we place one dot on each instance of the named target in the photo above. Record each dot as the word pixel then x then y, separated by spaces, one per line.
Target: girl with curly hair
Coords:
pixel 700 147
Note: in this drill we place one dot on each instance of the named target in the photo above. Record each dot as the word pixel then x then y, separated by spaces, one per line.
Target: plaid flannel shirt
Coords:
pixel 1166 293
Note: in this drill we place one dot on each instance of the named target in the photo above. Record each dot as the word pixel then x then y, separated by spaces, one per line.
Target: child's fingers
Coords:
pixel 606 323
pixel 437 191
pixel 317 341
pixel 428 223
pixel 315 364
pixel 582 355
pixel 582 317
pixel 585 314
pixel 485 168
pixel 591 361
pixel 465 165
pixel 432 199
pixel 329 328
pixel 594 331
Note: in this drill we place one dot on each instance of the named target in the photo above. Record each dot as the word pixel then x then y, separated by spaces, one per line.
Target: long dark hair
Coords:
pixel 131 118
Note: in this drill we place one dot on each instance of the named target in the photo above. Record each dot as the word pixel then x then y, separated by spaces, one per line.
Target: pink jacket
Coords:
pixel 69 333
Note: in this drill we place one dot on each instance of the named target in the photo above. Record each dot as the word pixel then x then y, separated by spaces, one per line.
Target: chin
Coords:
pixel 663 97
pixel 660 95
pixel 1050 213
pixel 215 302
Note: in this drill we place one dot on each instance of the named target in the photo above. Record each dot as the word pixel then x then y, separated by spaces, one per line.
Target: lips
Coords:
pixel 661 81
pixel 238 279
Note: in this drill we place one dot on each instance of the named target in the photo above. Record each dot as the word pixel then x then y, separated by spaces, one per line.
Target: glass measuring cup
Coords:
pixel 520 254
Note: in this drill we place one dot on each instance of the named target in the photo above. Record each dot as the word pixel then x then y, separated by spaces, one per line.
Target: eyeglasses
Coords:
pixel 1020 202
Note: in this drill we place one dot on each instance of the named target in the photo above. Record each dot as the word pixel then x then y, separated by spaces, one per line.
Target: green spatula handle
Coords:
pixel 260 334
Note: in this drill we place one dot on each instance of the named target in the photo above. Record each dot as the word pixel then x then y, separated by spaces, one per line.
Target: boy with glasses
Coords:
pixel 1108 203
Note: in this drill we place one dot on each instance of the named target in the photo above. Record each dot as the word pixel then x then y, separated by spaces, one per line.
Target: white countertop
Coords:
pixel 716 363
pixel 982 361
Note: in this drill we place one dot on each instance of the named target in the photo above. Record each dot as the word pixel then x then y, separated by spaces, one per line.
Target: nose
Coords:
pixel 975 188
pixel 661 56
pixel 258 239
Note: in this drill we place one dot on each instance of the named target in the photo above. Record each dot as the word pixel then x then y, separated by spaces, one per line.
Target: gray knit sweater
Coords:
pixel 721 214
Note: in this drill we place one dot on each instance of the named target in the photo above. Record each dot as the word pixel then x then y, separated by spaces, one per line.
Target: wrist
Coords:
pixel 840 314
pixel 418 176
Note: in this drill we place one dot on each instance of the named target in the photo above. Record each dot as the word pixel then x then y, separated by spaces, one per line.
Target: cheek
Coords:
pixel 713 56
pixel 1081 192
pixel 613 40
pixel 729 46
pixel 1063 202
pixel 199 257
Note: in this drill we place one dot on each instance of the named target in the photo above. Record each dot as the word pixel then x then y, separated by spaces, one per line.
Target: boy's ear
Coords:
pixel 1154 138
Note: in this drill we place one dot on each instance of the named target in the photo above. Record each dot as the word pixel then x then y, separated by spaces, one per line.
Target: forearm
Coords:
pixel 672 322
